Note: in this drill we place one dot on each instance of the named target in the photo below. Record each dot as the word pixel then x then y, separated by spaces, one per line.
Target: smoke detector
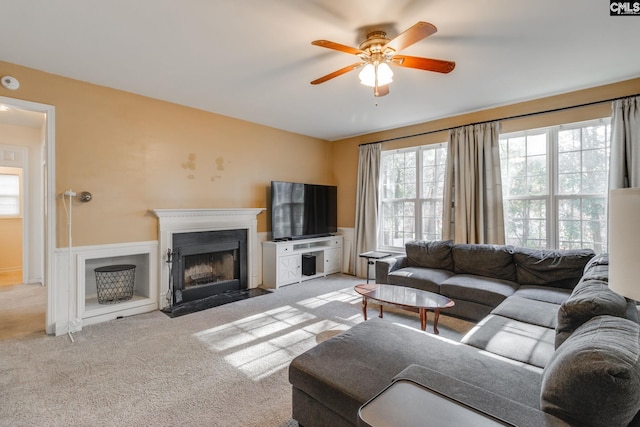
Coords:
pixel 10 82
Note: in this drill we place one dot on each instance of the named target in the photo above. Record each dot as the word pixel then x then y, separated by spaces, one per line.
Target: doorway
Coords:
pixel 26 156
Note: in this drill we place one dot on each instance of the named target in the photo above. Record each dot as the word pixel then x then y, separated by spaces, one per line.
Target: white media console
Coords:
pixel 293 261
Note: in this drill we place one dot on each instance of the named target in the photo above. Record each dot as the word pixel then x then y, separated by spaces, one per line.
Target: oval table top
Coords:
pixel 404 296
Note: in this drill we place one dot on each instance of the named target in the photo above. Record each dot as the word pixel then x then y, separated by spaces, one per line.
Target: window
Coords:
pixel 555 186
pixel 411 195
pixel 10 194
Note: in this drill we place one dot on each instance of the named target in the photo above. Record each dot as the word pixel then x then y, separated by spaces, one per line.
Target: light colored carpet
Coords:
pixel 22 310
pixel 226 366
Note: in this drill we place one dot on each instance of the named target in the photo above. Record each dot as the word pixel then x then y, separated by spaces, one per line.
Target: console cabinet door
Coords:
pixel 332 260
pixel 289 269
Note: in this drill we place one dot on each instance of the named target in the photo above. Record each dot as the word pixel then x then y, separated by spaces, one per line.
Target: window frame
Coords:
pixel 12 171
pixel 417 200
pixel 553 197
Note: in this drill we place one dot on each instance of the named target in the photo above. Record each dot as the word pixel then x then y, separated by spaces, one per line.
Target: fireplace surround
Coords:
pixel 180 234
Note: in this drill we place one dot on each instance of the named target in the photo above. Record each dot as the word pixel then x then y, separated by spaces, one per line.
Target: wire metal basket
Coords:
pixel 115 283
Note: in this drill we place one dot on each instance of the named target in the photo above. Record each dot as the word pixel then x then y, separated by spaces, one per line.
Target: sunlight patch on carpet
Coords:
pixel 266 358
pixel 347 295
pixel 251 328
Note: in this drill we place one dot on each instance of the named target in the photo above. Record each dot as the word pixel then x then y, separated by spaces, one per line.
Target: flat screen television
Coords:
pixel 300 211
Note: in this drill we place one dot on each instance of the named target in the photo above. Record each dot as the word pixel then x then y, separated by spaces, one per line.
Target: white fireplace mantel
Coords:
pixel 172 221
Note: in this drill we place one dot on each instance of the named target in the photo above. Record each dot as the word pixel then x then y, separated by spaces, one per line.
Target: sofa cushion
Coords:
pixel 469 310
pixel 557 268
pixel 593 378
pixel 484 290
pixel 536 312
pixel 589 299
pixel 427 279
pixel 484 260
pixel 544 293
pixel 430 254
pixel 345 371
pixel 597 268
pixel 513 339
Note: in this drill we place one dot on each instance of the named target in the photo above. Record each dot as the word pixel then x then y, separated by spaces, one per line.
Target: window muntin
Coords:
pixel 411 189
pixel 556 201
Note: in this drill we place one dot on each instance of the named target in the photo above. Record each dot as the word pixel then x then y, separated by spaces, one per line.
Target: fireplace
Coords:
pixel 208 263
pixel 179 234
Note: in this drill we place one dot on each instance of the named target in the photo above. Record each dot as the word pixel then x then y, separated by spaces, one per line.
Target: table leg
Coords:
pixel 380 315
pixel 435 321
pixel 364 307
pixel 423 318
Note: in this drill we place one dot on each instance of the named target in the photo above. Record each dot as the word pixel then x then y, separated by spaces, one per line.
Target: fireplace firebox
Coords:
pixel 208 263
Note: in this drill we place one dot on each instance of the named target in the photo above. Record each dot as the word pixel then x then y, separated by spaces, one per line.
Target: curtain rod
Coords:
pixel 502 119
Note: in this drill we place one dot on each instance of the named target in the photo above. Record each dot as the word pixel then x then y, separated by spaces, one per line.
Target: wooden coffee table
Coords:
pixel 405 297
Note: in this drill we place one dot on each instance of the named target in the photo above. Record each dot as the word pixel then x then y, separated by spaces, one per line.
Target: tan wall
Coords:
pixel 135 153
pixel 346 150
pixel 11 247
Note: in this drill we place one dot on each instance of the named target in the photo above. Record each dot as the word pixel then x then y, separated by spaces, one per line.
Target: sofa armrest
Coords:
pixel 387 265
pixel 485 401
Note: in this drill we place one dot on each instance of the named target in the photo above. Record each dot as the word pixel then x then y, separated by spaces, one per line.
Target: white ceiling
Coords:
pixel 253 59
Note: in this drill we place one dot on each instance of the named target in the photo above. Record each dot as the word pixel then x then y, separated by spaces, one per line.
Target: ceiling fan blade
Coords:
pixel 414 34
pixel 381 90
pixel 337 73
pixel 428 64
pixel 337 46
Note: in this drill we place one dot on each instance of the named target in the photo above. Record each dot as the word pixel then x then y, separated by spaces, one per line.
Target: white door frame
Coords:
pixel 49 201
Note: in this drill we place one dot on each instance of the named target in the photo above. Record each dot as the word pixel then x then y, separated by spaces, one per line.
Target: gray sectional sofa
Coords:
pixel 553 344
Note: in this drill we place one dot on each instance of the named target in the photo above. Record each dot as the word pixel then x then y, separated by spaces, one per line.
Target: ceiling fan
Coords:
pixel 377 52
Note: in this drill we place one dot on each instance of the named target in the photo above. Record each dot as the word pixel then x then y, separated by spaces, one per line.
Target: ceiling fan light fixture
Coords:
pixel 377 52
pixel 380 72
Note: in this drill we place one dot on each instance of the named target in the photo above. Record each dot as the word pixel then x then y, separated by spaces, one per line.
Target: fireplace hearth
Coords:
pixel 213 301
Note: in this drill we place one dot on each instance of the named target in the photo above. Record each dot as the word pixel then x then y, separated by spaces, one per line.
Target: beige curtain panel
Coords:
pixel 624 163
pixel 473 186
pixel 366 235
